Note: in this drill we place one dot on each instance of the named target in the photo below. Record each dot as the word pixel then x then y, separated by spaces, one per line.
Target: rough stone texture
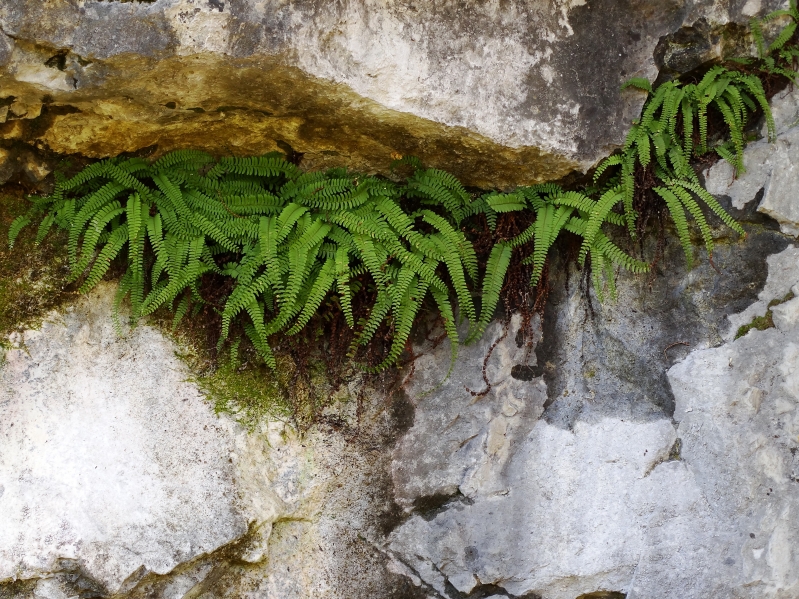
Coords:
pixel 110 458
pixel 701 509
pixel 550 485
pixel 622 449
pixel 475 434
pixel 117 478
pixel 496 92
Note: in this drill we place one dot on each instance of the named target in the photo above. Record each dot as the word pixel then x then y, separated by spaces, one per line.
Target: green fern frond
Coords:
pixel 505 202
pixel 596 217
pixel 785 35
pixel 103 262
pixel 680 222
pixel 16 227
pixel 712 203
pixel 638 83
pixel 493 280
pixel 614 160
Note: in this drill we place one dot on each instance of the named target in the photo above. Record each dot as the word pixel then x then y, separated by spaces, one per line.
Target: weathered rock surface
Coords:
pixel 629 483
pixel 497 93
pixel 634 448
pixel 703 508
pixel 116 478
pixel 110 459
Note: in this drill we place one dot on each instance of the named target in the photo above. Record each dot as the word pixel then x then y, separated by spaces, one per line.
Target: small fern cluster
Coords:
pixel 674 119
pixel 555 211
pixel 673 129
pixel 778 57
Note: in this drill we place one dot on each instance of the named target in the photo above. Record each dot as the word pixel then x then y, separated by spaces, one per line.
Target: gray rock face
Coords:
pixel 116 478
pixel 109 458
pixel 498 93
pixel 476 427
pixel 702 508
pixel 6 46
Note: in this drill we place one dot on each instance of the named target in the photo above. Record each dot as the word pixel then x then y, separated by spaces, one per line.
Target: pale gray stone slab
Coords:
pixel 702 508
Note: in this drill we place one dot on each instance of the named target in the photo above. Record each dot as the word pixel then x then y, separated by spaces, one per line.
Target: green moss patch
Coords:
pixel 761 323
pixel 249 392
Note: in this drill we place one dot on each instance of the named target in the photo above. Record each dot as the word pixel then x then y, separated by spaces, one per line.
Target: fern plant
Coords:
pixel 555 210
pixel 288 239
pixel 779 56
pixel 292 241
pixel 673 129
pixel 674 118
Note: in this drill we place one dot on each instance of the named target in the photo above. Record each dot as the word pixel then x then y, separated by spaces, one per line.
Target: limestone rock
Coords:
pixel 110 458
pixel 116 477
pixel 641 507
pixel 785 110
pixel 783 270
pixel 497 93
pixel 476 427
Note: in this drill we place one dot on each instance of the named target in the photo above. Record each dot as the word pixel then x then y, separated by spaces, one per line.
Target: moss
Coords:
pixel 238 382
pixel 33 279
pixel 761 323
pixel 18 589
pixel 249 392
pixel 253 393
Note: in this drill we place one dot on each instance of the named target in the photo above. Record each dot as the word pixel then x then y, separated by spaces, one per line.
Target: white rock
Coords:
pixel 785 110
pixel 605 507
pixel 108 456
pixel 782 189
pixel 475 434
pixel 783 274
pixel 772 167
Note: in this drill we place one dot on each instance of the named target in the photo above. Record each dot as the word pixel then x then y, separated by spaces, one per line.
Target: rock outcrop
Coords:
pixel 646 448
pixel 498 93
pixel 117 478
pixel 633 483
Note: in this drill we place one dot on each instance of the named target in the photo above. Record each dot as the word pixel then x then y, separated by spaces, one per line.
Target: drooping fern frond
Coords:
pixel 638 83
